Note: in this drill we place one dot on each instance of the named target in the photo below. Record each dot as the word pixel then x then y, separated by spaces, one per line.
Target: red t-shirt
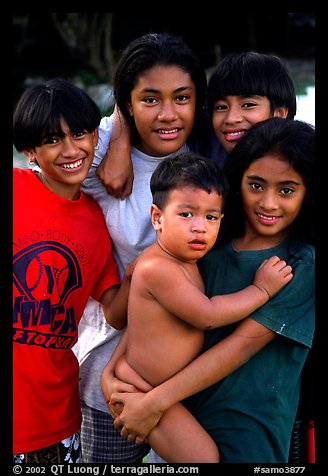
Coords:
pixel 62 254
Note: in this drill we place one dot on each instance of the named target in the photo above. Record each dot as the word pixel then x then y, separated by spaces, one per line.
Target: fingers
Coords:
pixel 126 190
pixel 132 436
pixel 115 186
pixel 274 260
pixel 119 189
pixel 283 268
pixel 278 263
pixel 287 270
pixel 115 192
pixel 263 263
pixel 128 434
pixel 140 440
pixel 117 423
pixel 115 409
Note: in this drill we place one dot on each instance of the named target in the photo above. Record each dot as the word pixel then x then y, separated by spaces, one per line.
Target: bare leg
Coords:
pixel 125 372
pixel 179 438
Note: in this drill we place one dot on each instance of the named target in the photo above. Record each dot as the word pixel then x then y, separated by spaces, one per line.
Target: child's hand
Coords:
pixel 139 416
pixel 111 384
pixel 130 268
pixel 272 275
pixel 116 170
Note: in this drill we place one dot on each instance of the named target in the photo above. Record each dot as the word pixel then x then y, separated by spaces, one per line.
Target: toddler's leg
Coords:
pixel 179 438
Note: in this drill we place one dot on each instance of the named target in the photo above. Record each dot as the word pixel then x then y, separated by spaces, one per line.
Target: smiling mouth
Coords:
pixel 267 217
pixel 72 165
pixel 165 131
pixel 234 135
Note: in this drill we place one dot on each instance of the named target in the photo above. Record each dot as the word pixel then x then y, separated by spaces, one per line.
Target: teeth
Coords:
pixel 73 165
pixel 168 132
pixel 266 217
pixel 234 134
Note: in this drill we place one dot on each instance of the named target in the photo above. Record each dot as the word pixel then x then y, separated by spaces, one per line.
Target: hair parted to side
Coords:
pixel 154 49
pixel 186 169
pixel 253 73
pixel 41 109
pixel 293 141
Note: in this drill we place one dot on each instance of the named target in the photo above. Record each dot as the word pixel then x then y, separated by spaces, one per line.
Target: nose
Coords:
pixel 233 115
pixel 168 111
pixel 269 200
pixel 70 147
pixel 198 225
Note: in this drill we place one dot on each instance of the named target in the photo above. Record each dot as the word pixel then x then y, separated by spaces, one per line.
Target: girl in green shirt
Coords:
pixel 251 371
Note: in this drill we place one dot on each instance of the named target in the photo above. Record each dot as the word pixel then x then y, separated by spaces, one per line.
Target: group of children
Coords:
pixel 235 380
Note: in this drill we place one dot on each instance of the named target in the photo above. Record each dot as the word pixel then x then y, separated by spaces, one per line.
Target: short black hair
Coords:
pixel 253 73
pixel 188 168
pixel 42 107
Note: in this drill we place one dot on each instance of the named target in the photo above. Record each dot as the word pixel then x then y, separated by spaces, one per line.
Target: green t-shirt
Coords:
pixel 250 413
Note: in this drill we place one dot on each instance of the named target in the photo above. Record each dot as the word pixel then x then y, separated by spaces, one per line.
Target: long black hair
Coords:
pixel 294 141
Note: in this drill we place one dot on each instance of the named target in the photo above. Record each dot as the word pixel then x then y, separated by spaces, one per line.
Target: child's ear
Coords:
pixel 95 136
pixel 129 108
pixel 156 217
pixel 29 154
pixel 281 112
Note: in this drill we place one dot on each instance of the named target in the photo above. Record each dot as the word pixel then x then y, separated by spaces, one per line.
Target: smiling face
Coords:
pixel 232 116
pixel 163 105
pixel 189 223
pixel 64 160
pixel 272 194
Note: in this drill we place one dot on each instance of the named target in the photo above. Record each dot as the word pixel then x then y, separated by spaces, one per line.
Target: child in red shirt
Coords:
pixel 62 254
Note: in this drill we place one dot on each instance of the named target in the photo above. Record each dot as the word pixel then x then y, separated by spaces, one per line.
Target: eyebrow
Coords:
pixel 251 96
pixel 192 207
pixel 153 90
pixel 283 182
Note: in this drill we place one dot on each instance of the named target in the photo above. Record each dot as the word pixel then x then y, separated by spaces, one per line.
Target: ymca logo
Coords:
pixel 45 274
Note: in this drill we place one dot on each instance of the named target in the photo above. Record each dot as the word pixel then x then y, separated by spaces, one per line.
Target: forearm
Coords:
pixel 230 308
pixel 115 170
pixel 115 303
pixel 116 311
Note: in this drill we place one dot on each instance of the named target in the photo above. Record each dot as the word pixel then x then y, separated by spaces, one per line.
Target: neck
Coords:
pixel 64 191
pixel 258 242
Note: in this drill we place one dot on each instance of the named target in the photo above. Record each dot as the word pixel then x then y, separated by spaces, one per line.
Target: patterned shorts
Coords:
pixel 65 451
pixel 102 443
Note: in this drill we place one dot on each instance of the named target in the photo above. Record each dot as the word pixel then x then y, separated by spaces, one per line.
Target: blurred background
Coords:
pixel 84 47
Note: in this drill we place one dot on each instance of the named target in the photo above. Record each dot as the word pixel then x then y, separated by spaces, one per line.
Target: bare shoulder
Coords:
pixel 154 264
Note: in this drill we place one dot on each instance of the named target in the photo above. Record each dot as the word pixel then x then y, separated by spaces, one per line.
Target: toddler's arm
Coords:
pixel 272 275
pixel 167 284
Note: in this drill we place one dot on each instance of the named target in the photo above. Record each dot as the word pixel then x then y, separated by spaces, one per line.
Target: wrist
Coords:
pixel 263 290
pixel 156 401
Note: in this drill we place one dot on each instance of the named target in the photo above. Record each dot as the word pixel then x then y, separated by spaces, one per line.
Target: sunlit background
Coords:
pixel 84 47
